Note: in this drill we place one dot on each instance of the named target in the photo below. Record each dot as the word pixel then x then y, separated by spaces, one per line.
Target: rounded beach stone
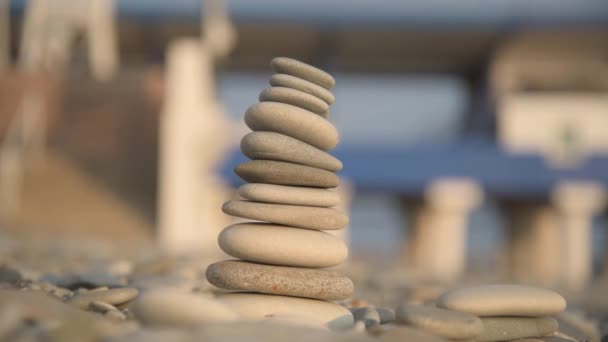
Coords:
pixel 292 121
pixel 446 323
pixel 400 334
pixel 112 296
pixel 289 215
pixel 302 70
pixel 511 328
pixel 282 173
pixel 174 308
pixel 279 147
pixel 368 315
pixel 503 300
pixel 282 245
pixel 279 280
pixel 283 194
pixel 288 81
pixel 261 306
pixel 294 97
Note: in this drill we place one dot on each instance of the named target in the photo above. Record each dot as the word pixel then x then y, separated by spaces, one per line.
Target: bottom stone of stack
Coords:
pixel 262 306
pixel 279 280
pixel 512 328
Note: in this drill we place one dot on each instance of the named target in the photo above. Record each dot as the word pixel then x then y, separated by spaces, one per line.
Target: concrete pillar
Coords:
pixel 532 244
pixel 576 204
pixel 194 138
pixel 102 39
pixel 438 233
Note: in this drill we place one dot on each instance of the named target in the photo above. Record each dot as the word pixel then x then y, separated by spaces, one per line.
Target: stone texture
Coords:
pixel 294 195
pixel 260 306
pixel 113 296
pixel 292 121
pixel 404 334
pixel 503 300
pixel 268 330
pixel 302 70
pixel 281 173
pixel 387 315
pixel 510 328
pixel 446 323
pixel 281 245
pixel 279 280
pixel 289 215
pixel 285 80
pixel 294 97
pixel 368 315
pixel 279 147
pixel 179 309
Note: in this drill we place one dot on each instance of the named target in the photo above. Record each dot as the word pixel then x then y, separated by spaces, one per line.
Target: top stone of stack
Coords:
pixel 284 65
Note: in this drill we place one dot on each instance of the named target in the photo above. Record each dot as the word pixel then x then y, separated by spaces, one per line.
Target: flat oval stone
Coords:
pixel 503 300
pixel 175 308
pixel 283 194
pixel 279 147
pixel 261 306
pixel 289 215
pixel 445 323
pixel 279 280
pixel 292 121
pixel 302 70
pixel 282 245
pixel 282 173
pixel 112 296
pixel 511 328
pixel 288 81
pixel 294 97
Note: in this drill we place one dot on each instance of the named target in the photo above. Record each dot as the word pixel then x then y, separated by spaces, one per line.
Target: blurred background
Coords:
pixel 474 134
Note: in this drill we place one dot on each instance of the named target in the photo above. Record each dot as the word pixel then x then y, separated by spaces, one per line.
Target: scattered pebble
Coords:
pixel 112 296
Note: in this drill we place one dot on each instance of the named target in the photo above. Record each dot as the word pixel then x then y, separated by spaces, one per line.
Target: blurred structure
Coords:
pixel 194 138
pixel 439 107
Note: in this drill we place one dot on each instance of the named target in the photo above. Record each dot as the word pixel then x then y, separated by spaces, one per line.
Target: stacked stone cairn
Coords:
pixel 487 313
pixel 282 255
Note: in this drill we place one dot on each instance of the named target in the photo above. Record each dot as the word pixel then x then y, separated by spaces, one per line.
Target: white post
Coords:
pixel 533 245
pixel 576 204
pixel 193 140
pixel 102 39
pixel 439 238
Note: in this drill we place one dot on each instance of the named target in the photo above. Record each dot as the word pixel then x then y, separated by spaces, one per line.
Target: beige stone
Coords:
pixel 281 245
pixel 279 280
pixel 289 215
pixel 294 97
pixel 302 70
pixel 175 308
pixel 503 300
pixel 511 328
pixel 113 296
pixel 261 306
pixel 292 121
pixel 282 173
pixel 446 323
pixel 279 147
pixel 285 80
pixel 294 195
pixel 402 334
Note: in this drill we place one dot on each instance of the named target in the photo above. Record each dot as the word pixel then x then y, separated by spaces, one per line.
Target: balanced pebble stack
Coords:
pixel 290 175
pixel 488 313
